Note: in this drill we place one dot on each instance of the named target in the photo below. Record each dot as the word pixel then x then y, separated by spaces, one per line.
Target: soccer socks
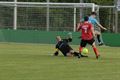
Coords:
pixel 80 49
pixel 76 54
pixel 98 38
pixel 96 51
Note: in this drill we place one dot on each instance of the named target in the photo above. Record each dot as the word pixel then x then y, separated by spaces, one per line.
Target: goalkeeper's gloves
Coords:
pixel 70 39
pixel 56 53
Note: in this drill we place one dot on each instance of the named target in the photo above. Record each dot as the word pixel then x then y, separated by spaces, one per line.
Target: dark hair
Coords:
pixel 93 13
pixel 86 18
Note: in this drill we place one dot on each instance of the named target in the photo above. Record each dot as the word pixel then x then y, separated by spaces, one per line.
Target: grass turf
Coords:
pixel 36 62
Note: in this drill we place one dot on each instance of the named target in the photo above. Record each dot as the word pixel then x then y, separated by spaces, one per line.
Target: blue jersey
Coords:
pixel 92 20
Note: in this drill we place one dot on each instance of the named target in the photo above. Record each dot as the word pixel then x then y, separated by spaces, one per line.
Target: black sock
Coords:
pixel 77 54
pixel 98 38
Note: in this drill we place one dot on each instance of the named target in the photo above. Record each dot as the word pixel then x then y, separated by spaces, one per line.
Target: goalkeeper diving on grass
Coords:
pixel 63 46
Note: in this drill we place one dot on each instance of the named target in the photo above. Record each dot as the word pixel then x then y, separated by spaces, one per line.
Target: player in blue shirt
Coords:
pixel 97 26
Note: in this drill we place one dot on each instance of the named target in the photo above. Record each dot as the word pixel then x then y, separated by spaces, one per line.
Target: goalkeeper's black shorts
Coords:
pixel 65 49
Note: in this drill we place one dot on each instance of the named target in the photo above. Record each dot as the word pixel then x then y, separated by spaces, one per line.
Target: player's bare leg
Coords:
pixel 69 54
pixel 98 34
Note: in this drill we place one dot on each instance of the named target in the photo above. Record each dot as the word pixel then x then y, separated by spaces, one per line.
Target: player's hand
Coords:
pixel 56 53
pixel 105 28
pixel 79 37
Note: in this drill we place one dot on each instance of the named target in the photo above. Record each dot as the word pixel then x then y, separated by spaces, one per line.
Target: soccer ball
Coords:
pixel 84 51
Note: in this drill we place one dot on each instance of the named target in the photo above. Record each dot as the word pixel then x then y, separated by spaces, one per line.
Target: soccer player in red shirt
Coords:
pixel 87 36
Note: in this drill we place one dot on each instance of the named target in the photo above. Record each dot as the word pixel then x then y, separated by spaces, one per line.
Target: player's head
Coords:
pixel 86 18
pixel 58 38
pixel 93 14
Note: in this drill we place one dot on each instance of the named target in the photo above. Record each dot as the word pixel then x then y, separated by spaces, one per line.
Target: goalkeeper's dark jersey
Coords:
pixel 63 46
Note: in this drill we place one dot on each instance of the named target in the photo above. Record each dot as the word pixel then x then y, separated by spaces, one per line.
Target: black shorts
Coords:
pixel 85 42
pixel 65 49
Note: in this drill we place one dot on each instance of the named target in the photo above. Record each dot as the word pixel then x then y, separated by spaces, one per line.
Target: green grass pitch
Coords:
pixel 36 62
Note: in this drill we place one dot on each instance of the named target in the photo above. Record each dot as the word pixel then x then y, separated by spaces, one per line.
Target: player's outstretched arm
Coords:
pixel 67 40
pixel 100 25
pixel 56 52
pixel 78 26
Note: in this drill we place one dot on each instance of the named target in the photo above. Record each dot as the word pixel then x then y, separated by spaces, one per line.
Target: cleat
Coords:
pixel 100 44
pixel 78 56
pixel 97 57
